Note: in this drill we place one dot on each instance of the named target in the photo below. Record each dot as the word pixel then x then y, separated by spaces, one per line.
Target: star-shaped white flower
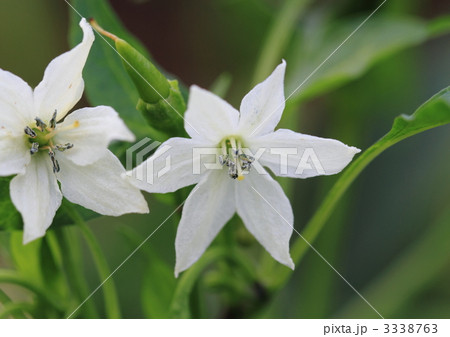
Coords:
pixel 242 140
pixel 43 144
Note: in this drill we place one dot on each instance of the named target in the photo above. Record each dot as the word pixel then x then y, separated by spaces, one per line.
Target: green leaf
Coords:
pixel 10 218
pixel 433 113
pixel 379 37
pixel 107 82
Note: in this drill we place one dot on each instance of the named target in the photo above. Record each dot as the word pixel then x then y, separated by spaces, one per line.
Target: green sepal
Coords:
pixel 150 83
pixel 167 114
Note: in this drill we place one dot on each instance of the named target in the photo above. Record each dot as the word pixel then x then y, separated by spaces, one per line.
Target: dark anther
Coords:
pixel 65 147
pixel 34 148
pixel 53 120
pixel 40 124
pixel 29 132
pixel 55 163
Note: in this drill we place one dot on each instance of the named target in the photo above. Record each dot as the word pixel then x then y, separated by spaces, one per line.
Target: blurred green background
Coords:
pixel 378 226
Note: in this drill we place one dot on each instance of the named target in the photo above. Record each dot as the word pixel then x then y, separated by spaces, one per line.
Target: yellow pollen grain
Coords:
pixel 240 178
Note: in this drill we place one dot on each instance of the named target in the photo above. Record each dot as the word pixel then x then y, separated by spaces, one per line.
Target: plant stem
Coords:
pixel 278 37
pixel 5 301
pixel 112 308
pixel 315 225
pixel 10 276
pixel 71 255
pixel 15 309
pixel 180 303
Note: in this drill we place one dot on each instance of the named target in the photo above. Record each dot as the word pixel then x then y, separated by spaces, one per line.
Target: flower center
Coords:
pixel 233 157
pixel 40 138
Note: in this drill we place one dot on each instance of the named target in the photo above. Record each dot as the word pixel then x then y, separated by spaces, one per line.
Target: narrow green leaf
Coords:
pixel 379 37
pixel 278 37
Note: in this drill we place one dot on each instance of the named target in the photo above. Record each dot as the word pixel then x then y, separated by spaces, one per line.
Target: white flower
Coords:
pixel 258 199
pixel 41 143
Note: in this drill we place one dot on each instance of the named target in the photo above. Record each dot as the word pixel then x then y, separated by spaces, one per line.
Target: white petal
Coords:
pixel 99 187
pixel 16 103
pixel 14 154
pixel 267 214
pixel 62 85
pixel 208 116
pixel 177 163
pixel 36 195
pixel 262 107
pixel 207 209
pixel 97 127
pixel 295 155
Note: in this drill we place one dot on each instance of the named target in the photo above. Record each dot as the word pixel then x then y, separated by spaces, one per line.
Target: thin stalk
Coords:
pixel 70 244
pixel 16 309
pixel 112 308
pixel 6 301
pixel 10 276
pixel 278 37
pixel 323 213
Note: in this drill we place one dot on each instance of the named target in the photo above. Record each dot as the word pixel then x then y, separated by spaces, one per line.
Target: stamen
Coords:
pixel 53 120
pixel 55 163
pixel 233 146
pixel 29 132
pixel 40 124
pixel 232 170
pixel 237 161
pixel 34 148
pixel 223 160
pixel 65 147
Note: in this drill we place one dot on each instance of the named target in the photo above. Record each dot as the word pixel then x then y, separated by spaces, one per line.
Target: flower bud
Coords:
pixel 166 114
pixel 161 101
pixel 150 83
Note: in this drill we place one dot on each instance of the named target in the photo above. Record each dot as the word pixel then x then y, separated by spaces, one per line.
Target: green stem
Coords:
pixel 112 308
pixel 5 301
pixel 16 309
pixel 315 225
pixel 180 303
pixel 10 276
pixel 4 298
pixel 71 255
pixel 278 37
